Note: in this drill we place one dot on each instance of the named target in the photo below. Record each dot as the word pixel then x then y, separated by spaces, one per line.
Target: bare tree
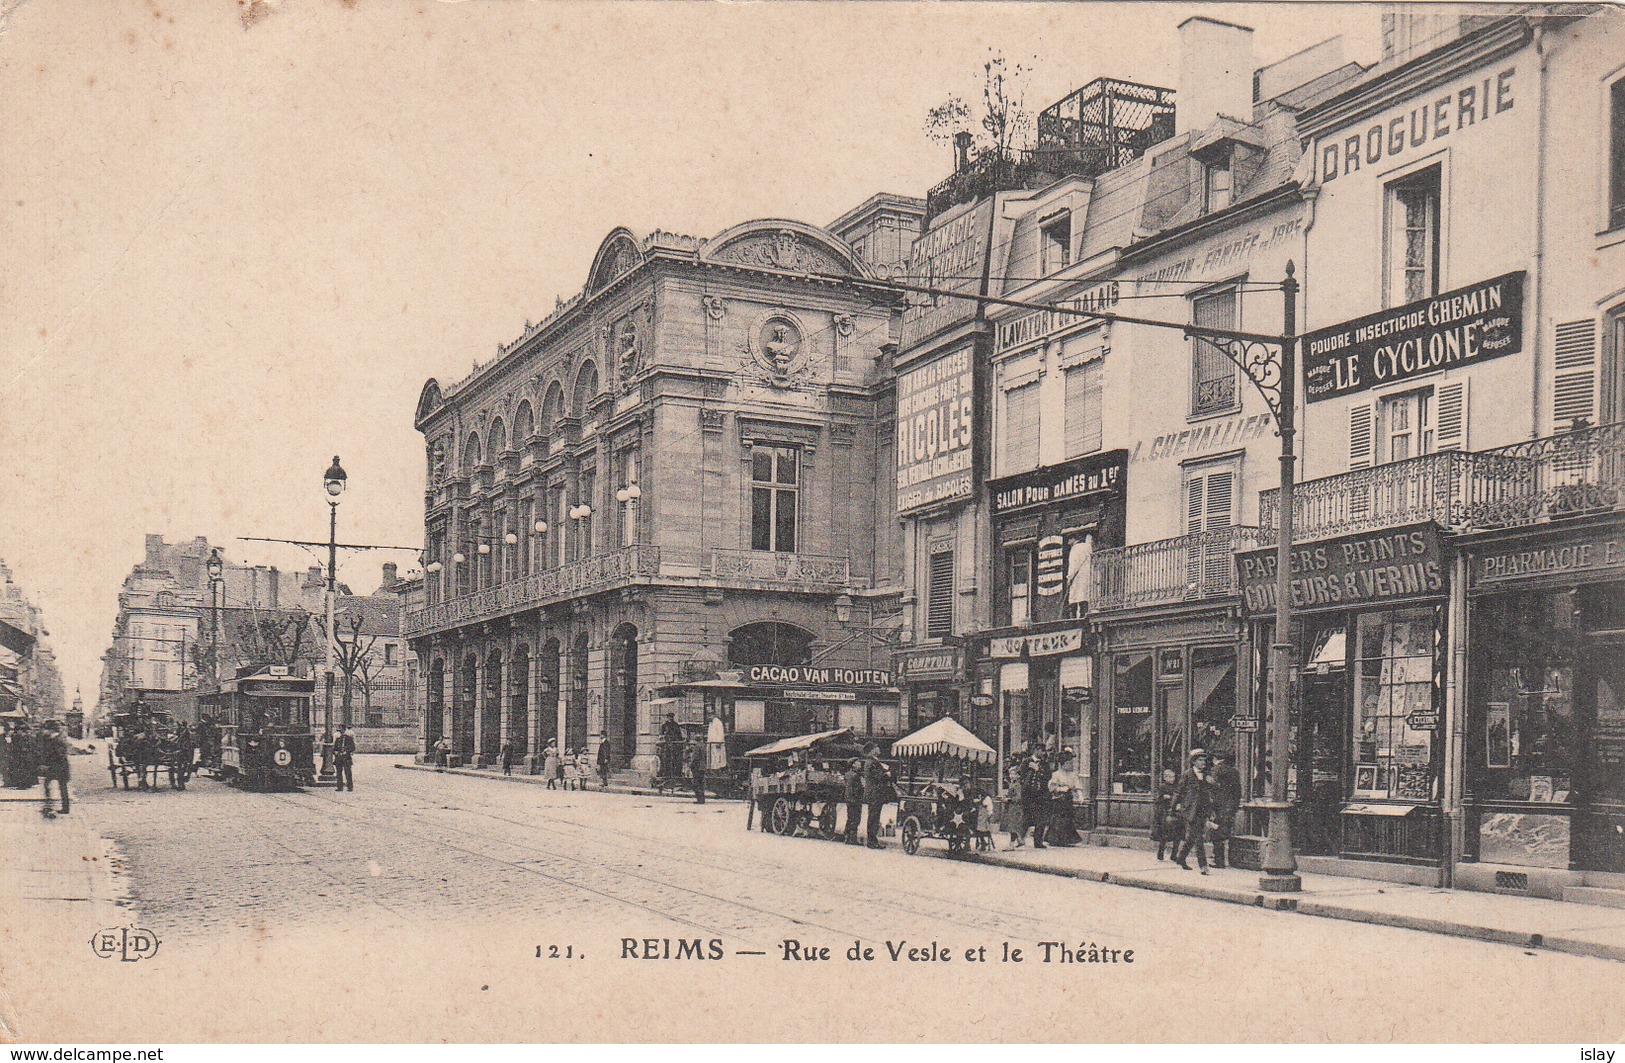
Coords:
pixel 354 659
pixel 1001 125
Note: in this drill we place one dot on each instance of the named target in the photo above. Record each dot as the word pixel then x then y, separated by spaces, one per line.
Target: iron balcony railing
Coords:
pixel 1183 569
pixel 1573 474
pixel 588 575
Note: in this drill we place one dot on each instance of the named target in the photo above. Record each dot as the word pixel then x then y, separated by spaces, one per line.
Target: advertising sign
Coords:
pixel 1596 554
pixel 948 257
pixel 928 664
pixel 1041 645
pixel 935 431
pixel 1350 571
pixel 812 675
pixel 1463 327
pixel 1039 324
pixel 1051 565
pixel 1097 474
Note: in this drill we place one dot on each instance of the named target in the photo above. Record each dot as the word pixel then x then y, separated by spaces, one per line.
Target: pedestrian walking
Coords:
pixel 852 791
pixel 696 767
pixel 344 758
pixel 51 752
pixel 603 762
pixel 507 757
pixel 1193 801
pixel 1064 785
pixel 1226 803
pixel 1035 799
pixel 552 766
pixel 1015 809
pixel 878 791
pixel 1166 827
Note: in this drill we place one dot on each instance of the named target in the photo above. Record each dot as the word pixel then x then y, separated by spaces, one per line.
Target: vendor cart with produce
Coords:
pixel 797 784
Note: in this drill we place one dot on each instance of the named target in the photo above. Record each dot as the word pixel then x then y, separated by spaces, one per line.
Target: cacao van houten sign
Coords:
pixel 1350 571
pixel 1097 474
pixel 812 675
pixel 1463 327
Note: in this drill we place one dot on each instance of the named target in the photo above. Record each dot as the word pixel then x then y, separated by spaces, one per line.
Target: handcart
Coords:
pixel 945 774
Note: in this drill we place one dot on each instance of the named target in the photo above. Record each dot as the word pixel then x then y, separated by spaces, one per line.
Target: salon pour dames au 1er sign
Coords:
pixel 1457 328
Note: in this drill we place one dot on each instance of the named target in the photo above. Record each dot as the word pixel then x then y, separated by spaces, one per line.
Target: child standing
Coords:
pixel 1166 827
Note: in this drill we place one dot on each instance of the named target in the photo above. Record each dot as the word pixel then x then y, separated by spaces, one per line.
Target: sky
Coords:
pixel 236 246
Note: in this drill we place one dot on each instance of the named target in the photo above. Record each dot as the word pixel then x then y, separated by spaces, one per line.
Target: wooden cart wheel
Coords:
pixel 782 816
pixel 911 836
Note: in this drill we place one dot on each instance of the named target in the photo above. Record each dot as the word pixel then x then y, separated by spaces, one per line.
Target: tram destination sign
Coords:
pixel 1458 328
pixel 1355 570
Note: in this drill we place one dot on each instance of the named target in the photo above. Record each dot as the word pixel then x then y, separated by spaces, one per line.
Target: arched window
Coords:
pixel 498 441
pixel 769 642
pixel 586 389
pixel 523 425
pixel 471 453
pixel 552 408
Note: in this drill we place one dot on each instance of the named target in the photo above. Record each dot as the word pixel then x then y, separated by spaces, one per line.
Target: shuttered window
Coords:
pixel 1451 418
pixel 939 595
pixel 1083 397
pixel 1574 396
pixel 1362 418
pixel 1210 506
pixel 1018 437
pixel 1213 375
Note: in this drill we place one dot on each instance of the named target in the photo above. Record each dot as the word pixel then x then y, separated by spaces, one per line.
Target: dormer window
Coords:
pixel 1217 182
pixel 1055 243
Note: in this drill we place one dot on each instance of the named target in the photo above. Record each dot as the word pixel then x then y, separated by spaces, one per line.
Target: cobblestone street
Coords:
pixel 416 908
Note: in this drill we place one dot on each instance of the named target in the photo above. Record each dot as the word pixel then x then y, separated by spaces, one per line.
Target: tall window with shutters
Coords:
pixel 1408 424
pixel 1616 155
pixel 939 592
pixel 1210 508
pixel 1019 572
pixel 1574 387
pixel 1613 368
pixel 1213 375
pixel 1083 407
pixel 1018 430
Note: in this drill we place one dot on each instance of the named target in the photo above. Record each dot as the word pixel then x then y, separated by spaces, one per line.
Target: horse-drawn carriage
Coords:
pixel 798 784
pixel 147 743
pixel 945 775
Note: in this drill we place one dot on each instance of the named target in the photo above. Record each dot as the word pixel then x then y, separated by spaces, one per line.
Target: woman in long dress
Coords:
pixel 716 746
pixel 1063 785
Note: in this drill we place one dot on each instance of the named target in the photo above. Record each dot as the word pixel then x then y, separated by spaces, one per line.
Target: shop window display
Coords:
pixel 1132 739
pixel 1526 741
pixel 1394 683
pixel 1213 698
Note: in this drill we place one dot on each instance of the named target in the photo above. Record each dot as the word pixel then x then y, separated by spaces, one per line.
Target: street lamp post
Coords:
pixel 216 571
pixel 334 481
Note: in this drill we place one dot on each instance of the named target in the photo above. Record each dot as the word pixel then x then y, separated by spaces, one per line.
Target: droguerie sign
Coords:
pixel 935 419
pixel 1462 327
pixel 1351 571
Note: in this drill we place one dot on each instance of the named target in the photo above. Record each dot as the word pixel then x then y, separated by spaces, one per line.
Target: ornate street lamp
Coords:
pixel 334 482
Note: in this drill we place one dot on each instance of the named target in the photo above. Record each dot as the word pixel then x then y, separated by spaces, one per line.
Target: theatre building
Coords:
pixel 672 479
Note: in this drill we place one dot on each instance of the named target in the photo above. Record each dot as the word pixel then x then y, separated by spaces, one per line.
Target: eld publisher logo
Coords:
pixel 125 943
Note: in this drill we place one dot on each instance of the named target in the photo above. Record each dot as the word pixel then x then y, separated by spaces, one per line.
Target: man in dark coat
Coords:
pixel 877 791
pixel 1035 802
pixel 1193 803
pixel 671 747
pixel 51 751
pixel 1226 803
pixel 344 759
pixel 696 767
pixel 852 787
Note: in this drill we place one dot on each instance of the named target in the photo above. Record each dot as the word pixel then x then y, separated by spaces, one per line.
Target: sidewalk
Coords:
pixel 536 780
pixel 1528 922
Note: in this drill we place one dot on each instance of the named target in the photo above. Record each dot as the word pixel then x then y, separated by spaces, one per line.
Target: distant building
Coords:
pixel 29 679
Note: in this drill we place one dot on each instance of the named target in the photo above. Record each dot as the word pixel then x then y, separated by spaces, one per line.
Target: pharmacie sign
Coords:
pixel 935 431
pixel 1018 332
pixel 948 257
pixel 1348 572
pixel 1463 327
pixel 1097 474
pixel 808 675
pixel 1044 644
pixel 1597 554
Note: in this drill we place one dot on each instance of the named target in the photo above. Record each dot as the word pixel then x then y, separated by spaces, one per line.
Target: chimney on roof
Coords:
pixel 390 579
pixel 962 142
pixel 155 548
pixel 1215 73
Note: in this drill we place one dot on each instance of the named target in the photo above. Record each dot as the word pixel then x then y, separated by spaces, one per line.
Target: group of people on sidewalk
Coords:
pixel 1196 808
pixel 1040 796
pixel 37 754
pixel 867 788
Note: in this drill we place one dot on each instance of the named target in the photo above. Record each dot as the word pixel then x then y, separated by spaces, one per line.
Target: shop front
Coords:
pixel 1168 685
pixel 933 684
pixel 1047 523
pixel 1368 757
pixel 1545 714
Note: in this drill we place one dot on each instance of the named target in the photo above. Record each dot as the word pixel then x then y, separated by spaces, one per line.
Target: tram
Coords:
pixel 254 731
